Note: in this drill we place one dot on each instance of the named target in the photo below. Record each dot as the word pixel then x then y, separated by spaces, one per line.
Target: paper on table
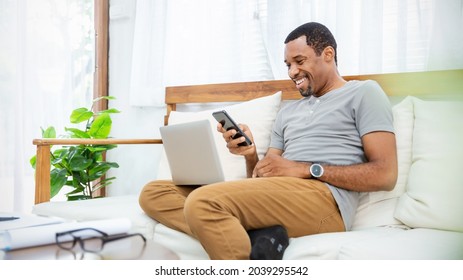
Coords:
pixel 42 235
pixel 26 220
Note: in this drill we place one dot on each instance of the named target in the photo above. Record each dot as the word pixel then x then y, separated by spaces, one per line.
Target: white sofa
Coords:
pixel 422 218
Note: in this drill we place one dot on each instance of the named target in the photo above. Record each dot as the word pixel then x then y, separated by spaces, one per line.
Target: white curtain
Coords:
pixel 179 42
pixel 376 36
pixel 193 42
pixel 46 66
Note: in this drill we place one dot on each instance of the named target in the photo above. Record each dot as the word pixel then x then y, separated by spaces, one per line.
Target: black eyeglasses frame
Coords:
pixel 105 238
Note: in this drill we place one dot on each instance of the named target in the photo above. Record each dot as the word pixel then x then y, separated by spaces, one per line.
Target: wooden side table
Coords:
pixel 124 249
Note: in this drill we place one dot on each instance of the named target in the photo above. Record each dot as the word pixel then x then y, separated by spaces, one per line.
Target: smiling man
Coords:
pixel 334 142
pixel 311 58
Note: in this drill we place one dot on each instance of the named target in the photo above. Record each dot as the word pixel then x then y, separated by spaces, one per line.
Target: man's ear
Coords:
pixel 329 54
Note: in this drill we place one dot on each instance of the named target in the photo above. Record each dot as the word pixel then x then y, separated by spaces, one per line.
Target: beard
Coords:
pixel 306 93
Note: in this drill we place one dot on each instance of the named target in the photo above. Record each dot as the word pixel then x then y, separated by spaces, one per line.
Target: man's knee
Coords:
pixel 151 198
pixel 145 199
pixel 198 207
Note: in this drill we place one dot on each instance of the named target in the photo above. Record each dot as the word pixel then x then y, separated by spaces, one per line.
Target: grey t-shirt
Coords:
pixel 328 130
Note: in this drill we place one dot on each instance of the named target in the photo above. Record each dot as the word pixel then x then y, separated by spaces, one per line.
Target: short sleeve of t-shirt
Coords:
pixel 373 111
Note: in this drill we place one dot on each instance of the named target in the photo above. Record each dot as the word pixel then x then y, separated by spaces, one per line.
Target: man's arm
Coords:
pixel 378 174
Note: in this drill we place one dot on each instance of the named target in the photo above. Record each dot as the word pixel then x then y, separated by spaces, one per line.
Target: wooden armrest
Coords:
pixel 80 141
pixel 42 167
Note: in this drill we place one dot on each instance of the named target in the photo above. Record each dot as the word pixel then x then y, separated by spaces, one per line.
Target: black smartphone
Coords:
pixel 227 122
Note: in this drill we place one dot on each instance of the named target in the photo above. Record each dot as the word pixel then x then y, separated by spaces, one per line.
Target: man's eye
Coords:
pixel 300 62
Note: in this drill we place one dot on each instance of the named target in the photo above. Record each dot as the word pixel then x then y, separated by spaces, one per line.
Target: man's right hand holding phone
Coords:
pixel 249 151
pixel 235 135
pixel 233 144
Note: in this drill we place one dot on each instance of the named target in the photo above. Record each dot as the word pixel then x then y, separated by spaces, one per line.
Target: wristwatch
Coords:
pixel 316 170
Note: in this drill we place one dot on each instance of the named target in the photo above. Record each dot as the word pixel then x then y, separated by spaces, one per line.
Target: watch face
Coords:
pixel 316 170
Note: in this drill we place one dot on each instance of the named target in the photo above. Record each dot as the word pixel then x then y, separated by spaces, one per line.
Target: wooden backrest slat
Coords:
pixel 416 83
pixel 394 84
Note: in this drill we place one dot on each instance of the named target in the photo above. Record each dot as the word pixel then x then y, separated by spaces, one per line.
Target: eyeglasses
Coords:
pixel 90 239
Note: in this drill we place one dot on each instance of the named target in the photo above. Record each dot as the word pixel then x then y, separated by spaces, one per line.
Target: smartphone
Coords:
pixel 227 122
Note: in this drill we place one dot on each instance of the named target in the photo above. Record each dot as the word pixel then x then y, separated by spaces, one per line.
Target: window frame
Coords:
pixel 100 77
pixel 100 82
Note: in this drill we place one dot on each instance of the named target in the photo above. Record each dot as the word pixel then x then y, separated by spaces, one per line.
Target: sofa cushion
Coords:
pixel 397 242
pixel 326 246
pixel 100 209
pixel 377 208
pixel 414 244
pixel 259 114
pixel 435 187
pixel 184 246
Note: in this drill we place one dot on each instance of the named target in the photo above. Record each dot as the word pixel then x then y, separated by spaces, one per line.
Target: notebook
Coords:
pixel 191 153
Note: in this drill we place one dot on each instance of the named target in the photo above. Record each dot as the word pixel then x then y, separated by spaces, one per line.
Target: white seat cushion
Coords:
pixel 99 209
pixel 185 246
pixel 326 246
pixel 413 244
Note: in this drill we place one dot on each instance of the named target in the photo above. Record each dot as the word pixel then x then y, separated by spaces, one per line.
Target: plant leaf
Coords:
pixel 96 173
pixel 101 126
pixel 57 161
pixel 78 197
pixel 101 148
pixel 61 152
pixel 80 115
pixel 72 151
pixel 102 181
pixel 82 177
pixel 113 164
pixel 33 161
pixel 58 178
pixel 102 185
pixel 78 190
pixel 104 97
pixel 100 169
pixel 79 163
pixel 76 133
pixel 77 182
pixel 50 132
pixel 110 111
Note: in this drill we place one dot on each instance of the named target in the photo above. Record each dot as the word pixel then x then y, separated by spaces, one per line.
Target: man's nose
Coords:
pixel 293 71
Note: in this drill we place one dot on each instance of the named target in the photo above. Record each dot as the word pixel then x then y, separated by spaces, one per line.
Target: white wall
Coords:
pixel 138 163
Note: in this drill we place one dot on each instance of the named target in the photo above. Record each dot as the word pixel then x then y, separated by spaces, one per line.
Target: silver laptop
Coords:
pixel 191 153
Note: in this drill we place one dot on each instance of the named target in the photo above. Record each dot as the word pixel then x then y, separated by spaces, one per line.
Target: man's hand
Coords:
pixel 232 144
pixel 273 164
pixel 249 152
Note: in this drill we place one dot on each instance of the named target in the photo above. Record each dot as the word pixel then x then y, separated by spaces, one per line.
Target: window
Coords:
pixel 47 63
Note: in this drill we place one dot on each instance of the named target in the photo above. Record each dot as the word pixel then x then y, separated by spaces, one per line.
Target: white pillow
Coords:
pixel 377 208
pixel 259 114
pixel 434 196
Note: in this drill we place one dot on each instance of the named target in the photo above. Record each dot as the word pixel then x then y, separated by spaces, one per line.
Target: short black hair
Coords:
pixel 318 37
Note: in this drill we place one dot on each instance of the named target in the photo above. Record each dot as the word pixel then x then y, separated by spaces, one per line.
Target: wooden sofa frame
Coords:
pixel 429 83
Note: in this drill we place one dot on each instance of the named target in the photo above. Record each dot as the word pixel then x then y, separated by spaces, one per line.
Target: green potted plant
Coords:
pixel 81 167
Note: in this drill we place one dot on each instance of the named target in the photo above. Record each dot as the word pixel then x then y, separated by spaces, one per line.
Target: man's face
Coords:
pixel 303 65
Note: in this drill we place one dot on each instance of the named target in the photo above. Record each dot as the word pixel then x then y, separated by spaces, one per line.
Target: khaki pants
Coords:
pixel 219 215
